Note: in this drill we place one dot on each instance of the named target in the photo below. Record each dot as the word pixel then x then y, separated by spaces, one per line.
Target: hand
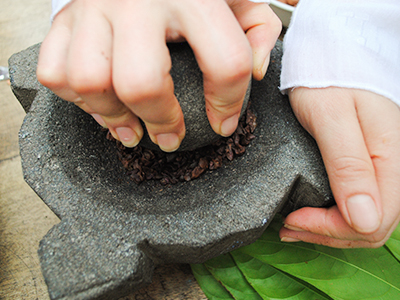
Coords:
pixel 358 134
pixel 110 58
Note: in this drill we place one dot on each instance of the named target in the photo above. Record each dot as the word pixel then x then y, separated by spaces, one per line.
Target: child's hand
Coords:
pixel 110 58
pixel 358 133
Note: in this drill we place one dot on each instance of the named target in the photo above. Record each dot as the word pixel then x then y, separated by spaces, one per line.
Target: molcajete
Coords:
pixel 113 232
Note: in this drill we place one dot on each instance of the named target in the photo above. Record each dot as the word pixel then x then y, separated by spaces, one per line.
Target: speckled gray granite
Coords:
pixel 113 231
pixel 189 93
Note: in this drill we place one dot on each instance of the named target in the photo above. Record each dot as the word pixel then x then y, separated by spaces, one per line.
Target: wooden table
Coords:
pixel 24 218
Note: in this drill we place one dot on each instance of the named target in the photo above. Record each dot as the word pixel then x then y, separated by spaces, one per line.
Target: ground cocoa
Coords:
pixel 170 168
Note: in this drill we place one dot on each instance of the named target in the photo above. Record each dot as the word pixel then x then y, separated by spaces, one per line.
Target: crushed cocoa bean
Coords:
pixel 170 168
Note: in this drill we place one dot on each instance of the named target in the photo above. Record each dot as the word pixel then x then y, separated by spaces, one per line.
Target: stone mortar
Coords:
pixel 113 232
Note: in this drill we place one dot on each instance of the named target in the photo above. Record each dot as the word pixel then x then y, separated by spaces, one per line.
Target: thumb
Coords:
pixel 331 117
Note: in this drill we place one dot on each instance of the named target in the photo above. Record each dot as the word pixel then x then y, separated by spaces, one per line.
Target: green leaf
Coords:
pixel 271 283
pixel 341 274
pixel 224 269
pixel 210 286
pixel 394 243
pixel 299 271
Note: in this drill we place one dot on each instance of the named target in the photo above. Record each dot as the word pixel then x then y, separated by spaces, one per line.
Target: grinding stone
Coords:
pixel 113 232
pixel 188 89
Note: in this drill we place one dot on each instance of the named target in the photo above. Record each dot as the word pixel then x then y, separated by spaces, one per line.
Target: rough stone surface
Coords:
pixel 189 93
pixel 113 231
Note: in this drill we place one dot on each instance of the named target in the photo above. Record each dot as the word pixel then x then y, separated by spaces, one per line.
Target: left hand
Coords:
pixel 111 59
pixel 358 134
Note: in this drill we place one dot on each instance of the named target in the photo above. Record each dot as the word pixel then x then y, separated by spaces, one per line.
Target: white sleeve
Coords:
pixel 57 6
pixel 345 43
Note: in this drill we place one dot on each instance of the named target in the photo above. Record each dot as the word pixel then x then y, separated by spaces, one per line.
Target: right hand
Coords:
pixel 110 58
pixel 358 134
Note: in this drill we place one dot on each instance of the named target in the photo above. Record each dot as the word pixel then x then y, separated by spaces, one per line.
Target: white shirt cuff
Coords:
pixel 261 1
pixel 344 43
pixel 57 6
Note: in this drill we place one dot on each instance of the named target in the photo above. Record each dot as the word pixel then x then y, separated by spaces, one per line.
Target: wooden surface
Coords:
pixel 24 218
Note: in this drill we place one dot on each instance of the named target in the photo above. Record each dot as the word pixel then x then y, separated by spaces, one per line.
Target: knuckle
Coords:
pixel 351 168
pixel 224 109
pixel 274 24
pixel 87 81
pixel 376 240
pixel 174 118
pixel 238 66
pixel 277 22
pixel 141 88
pixel 50 77
pixel 168 123
pixel 271 21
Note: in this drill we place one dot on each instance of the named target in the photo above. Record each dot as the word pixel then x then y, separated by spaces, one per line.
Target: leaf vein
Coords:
pixel 334 258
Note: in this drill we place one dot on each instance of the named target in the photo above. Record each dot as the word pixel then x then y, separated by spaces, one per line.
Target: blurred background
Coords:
pixel 24 219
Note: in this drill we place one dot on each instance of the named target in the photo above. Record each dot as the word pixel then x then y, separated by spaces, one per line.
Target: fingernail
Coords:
pixel 168 142
pixel 127 136
pixel 229 125
pixel 289 239
pixel 265 65
pixel 294 228
pixel 363 213
pixel 77 100
pixel 114 134
pixel 99 120
pixel 261 64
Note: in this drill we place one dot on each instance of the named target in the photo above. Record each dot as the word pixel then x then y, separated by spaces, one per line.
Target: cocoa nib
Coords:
pixel 170 168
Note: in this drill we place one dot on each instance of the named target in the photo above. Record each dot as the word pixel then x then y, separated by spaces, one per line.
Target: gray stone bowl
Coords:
pixel 113 232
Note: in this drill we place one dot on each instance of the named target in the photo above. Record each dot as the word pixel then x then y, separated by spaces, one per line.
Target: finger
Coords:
pixel 224 56
pixel 262 27
pixel 326 226
pixel 52 64
pixel 141 74
pixel 51 68
pixel 341 142
pixel 89 74
pixel 287 235
pixel 380 120
pixel 327 223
